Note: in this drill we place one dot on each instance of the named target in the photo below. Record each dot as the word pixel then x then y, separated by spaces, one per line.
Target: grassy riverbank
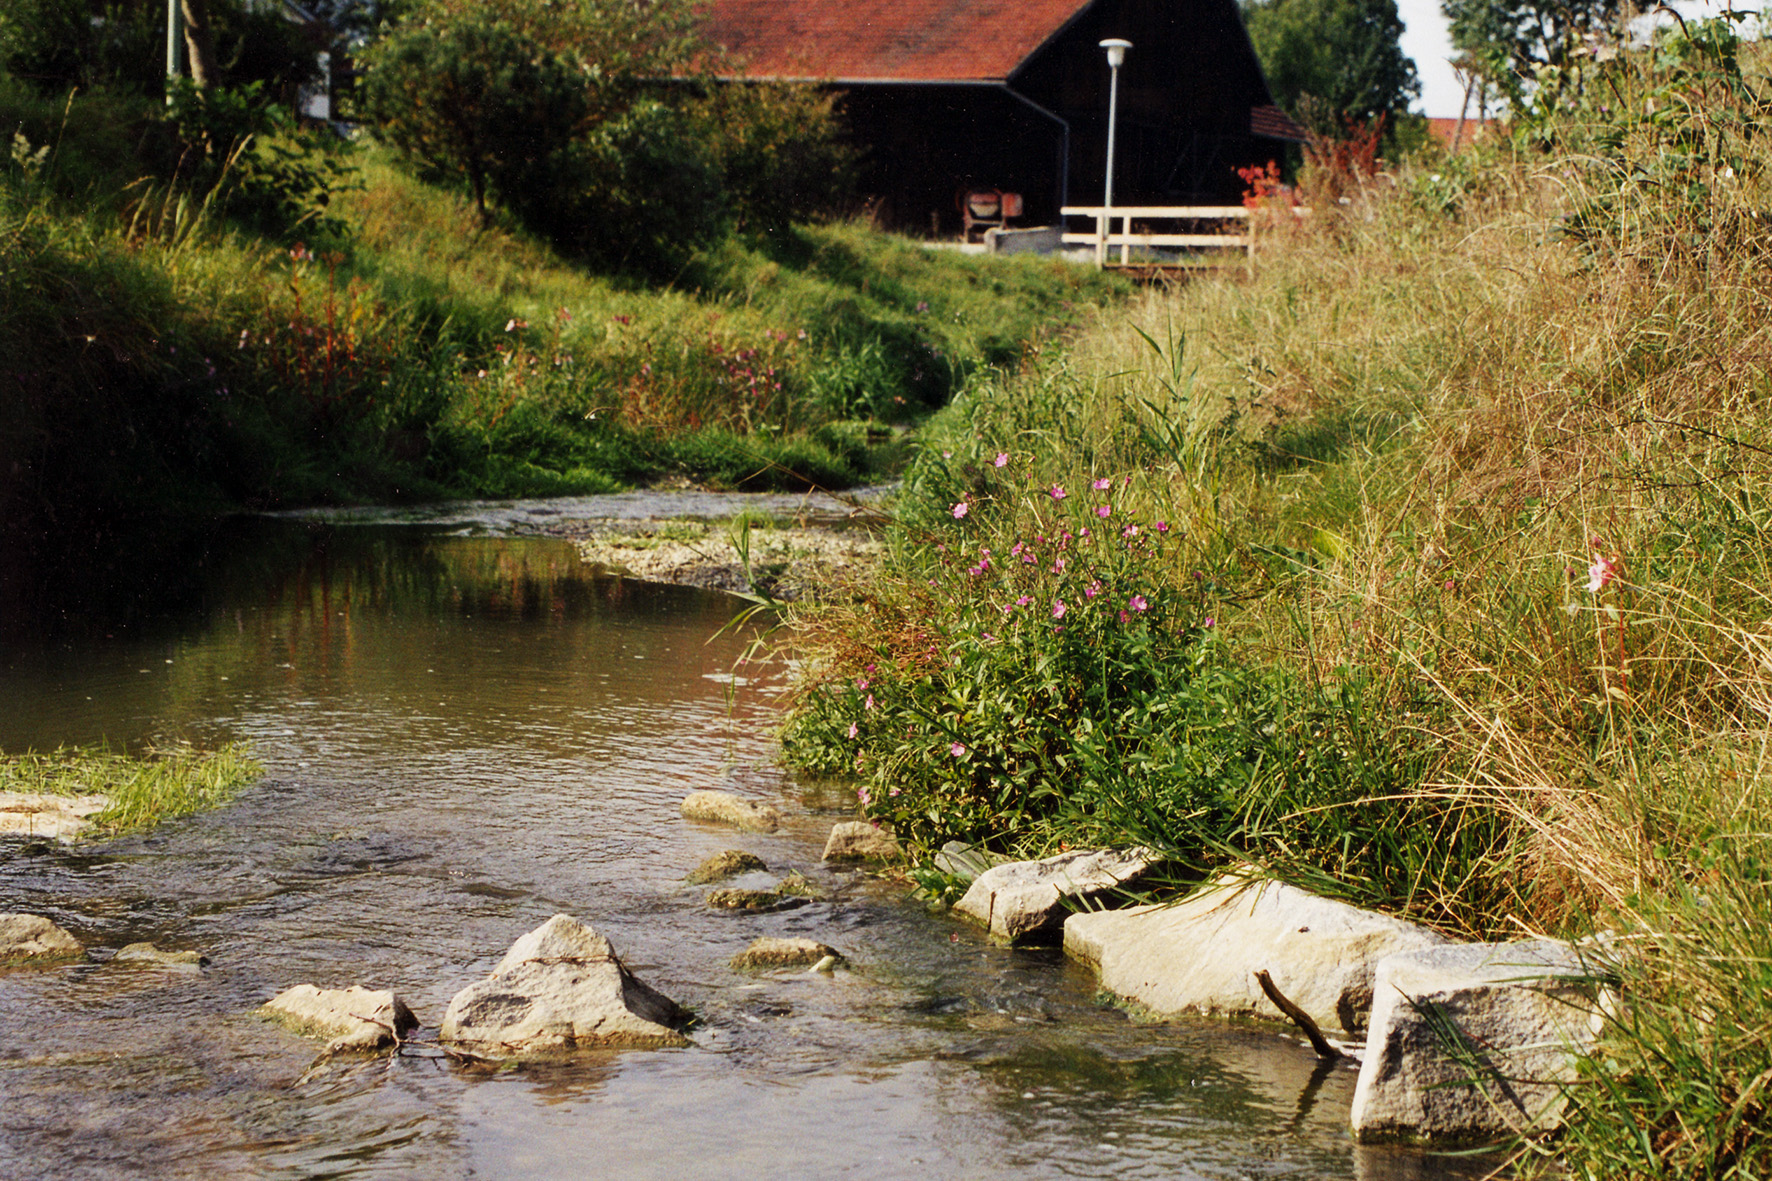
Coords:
pixel 161 352
pixel 142 791
pixel 1428 569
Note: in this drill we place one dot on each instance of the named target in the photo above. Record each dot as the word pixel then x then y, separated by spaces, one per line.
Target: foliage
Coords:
pixel 1507 41
pixel 144 790
pixel 58 45
pixel 1331 62
pixel 472 97
pixel 558 113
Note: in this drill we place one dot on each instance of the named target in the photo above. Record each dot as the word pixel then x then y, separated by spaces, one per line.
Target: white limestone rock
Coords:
pixel 356 1018
pixel 1200 955
pixel 32 814
pixel 147 955
pixel 1471 1043
pixel 723 807
pixel 1023 901
pixel 561 987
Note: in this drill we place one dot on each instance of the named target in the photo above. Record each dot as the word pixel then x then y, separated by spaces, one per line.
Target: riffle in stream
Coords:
pixel 464 736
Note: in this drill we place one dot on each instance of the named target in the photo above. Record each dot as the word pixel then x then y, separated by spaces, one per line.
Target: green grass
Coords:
pixel 144 791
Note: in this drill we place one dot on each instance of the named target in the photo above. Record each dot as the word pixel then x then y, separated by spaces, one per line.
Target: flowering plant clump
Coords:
pixel 1048 674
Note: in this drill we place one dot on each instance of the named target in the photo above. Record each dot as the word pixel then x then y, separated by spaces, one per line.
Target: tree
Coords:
pixel 1507 40
pixel 1333 62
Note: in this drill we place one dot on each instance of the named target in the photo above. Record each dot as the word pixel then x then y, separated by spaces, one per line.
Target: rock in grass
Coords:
pixel 1473 1043
pixel 147 955
pixel 1200 955
pixel 753 900
pixel 721 866
pixel 783 953
pixel 861 840
pixel 561 987
pixel 33 939
pixel 1027 901
pixel 722 807
pixel 356 1018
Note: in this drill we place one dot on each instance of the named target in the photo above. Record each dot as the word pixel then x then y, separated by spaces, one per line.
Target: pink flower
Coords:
pixel 957 749
pixel 852 730
pixel 959 510
pixel 1104 510
pixel 869 703
pixel 1124 617
pixel 1138 603
pixel 1093 589
pixel 1210 621
pixel 1129 531
pixel 1603 570
pixel 1002 458
pixel 861 793
pixel 1058 492
pixel 1102 485
pixel 1058 608
pixel 1023 601
pixel 1162 526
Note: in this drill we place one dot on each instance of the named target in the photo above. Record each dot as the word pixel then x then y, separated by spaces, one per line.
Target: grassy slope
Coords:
pixel 1390 467
pixel 161 357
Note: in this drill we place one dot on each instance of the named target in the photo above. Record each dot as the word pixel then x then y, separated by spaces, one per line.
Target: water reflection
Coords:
pixel 465 737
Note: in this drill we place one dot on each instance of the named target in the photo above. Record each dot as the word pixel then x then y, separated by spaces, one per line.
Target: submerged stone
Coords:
pixel 33 939
pixel 1474 1042
pixel 561 987
pixel 1200 955
pixel 723 807
pixel 356 1018
pixel 727 864
pixel 754 900
pixel 146 954
pixel 1025 901
pixel 783 953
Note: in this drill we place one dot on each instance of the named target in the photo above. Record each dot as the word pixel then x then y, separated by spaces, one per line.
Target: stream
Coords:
pixel 465 732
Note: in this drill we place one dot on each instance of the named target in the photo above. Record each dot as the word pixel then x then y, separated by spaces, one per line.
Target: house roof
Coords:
pixel 886 40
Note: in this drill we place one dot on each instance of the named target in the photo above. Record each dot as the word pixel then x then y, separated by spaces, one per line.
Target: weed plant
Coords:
pixel 144 791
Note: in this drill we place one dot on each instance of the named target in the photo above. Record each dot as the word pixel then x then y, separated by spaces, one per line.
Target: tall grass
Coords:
pixel 1470 480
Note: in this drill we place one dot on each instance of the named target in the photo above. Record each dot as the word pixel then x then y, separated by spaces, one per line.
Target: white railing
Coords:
pixel 1238 234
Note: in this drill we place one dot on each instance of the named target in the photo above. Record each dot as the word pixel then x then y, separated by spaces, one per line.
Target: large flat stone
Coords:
pixel 355 1018
pixel 1201 955
pixel 560 987
pixel 1027 901
pixel 1473 1042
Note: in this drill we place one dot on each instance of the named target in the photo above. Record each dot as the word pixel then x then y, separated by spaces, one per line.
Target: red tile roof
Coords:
pixel 886 40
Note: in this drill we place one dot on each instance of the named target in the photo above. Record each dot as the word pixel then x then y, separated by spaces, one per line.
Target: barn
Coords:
pixel 949 95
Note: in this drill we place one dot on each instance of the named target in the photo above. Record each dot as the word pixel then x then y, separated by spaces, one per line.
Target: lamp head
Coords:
pixel 1116 51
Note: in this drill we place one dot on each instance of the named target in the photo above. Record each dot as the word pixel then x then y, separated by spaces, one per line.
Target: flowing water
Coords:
pixel 462 737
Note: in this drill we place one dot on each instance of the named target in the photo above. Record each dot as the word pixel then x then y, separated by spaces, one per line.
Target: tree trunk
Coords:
pixel 199 42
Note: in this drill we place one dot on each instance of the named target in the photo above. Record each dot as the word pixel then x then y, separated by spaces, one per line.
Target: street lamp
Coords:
pixel 1116 55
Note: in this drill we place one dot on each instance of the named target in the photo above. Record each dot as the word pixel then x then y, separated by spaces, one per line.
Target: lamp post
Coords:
pixel 174 35
pixel 1116 55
